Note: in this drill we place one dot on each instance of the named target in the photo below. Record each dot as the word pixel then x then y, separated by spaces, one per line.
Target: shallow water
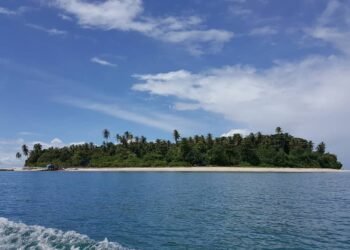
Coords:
pixel 175 210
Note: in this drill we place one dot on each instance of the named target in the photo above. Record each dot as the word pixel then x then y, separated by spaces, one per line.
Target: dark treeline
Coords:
pixel 277 150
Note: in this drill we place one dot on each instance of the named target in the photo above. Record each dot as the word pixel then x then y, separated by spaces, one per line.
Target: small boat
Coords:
pixel 52 167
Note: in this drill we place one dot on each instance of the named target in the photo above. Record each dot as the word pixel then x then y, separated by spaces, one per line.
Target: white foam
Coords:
pixel 15 235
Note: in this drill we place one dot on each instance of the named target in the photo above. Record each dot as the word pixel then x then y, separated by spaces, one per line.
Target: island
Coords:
pixel 278 150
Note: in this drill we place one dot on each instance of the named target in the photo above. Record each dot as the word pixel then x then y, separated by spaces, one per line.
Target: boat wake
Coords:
pixel 15 235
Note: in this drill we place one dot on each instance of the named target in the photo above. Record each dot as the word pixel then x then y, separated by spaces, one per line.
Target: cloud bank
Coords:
pixel 299 96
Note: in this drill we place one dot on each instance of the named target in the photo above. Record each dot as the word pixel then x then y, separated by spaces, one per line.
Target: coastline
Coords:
pixel 208 169
pixel 198 169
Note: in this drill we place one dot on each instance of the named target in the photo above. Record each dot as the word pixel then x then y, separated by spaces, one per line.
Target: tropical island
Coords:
pixel 258 150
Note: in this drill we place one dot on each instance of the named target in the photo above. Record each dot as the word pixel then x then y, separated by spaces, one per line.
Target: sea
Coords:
pixel 102 210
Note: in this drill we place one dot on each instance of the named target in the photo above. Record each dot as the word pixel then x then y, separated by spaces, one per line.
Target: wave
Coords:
pixel 15 235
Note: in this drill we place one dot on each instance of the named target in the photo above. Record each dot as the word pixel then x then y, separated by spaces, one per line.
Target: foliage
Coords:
pixel 277 150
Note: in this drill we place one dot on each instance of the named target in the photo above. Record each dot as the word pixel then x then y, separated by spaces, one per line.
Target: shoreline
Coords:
pixel 208 170
pixel 197 170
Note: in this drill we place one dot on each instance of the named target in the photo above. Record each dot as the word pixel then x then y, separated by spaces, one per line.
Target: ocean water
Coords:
pixel 63 210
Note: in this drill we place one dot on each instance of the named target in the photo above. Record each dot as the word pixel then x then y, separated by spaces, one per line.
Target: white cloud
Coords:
pixel 161 121
pixel 333 26
pixel 127 15
pixel 8 149
pixel 52 31
pixel 27 133
pixel 262 31
pixel 237 1
pixel 186 106
pixel 65 17
pixel 102 62
pixel 243 132
pixel 240 11
pixel 56 141
pixel 5 11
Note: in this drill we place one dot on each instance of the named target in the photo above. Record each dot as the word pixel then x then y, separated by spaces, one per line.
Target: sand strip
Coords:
pixel 210 169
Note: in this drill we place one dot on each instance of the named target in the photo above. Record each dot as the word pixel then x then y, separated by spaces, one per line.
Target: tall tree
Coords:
pixel 37 147
pixel 278 130
pixel 128 136
pixel 25 150
pixel 118 138
pixel 18 155
pixel 176 135
pixel 143 140
pixel 209 139
pixel 106 134
pixel 321 148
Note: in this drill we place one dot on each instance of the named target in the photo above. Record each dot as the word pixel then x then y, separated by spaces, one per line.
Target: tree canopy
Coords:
pixel 276 150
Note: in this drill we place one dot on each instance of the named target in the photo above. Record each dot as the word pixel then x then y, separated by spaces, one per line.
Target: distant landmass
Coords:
pixel 276 150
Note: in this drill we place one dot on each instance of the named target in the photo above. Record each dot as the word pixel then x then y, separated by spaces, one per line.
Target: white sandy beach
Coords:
pixel 209 169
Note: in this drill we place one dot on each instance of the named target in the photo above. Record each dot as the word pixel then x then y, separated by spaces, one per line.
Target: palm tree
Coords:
pixel 128 136
pixel 237 139
pixel 278 130
pixel 209 139
pixel 18 155
pixel 143 140
pixel 118 138
pixel 25 150
pixel 321 148
pixel 106 134
pixel 37 147
pixel 176 135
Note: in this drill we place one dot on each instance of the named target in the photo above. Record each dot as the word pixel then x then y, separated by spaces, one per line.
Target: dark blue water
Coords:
pixel 177 210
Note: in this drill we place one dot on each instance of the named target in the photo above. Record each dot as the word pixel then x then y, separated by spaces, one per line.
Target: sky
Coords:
pixel 70 68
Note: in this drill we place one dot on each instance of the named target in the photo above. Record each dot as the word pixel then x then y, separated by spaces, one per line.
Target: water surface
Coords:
pixel 176 210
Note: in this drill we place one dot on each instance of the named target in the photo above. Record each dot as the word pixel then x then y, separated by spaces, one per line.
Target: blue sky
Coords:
pixel 70 68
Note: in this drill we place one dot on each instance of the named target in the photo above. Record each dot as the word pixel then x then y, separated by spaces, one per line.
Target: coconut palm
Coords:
pixel 128 136
pixel 176 135
pixel 118 138
pixel 106 134
pixel 278 130
pixel 25 150
pixel 321 148
pixel 18 155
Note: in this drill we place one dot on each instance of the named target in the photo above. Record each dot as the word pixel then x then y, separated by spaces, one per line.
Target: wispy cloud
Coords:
pixel 240 11
pixel 13 12
pixel 51 31
pixel 128 16
pixel 102 62
pixel 5 11
pixel 263 31
pixel 153 119
pixel 243 132
pixel 27 133
pixel 65 17
pixel 333 26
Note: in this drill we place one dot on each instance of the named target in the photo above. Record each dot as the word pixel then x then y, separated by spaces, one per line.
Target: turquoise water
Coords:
pixel 174 210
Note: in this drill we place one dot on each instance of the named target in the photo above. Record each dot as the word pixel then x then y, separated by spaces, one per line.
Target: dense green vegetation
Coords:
pixel 278 150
